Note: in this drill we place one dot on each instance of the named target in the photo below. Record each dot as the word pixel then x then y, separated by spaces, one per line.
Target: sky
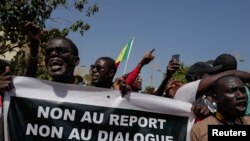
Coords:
pixel 198 30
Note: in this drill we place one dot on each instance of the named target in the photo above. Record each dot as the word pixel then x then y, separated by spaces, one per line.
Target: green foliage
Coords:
pixel 149 90
pixel 180 74
pixel 18 63
pixel 44 75
pixel 14 13
pixel 18 66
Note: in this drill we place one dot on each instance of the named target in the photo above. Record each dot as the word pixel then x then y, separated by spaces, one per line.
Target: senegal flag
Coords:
pixel 124 53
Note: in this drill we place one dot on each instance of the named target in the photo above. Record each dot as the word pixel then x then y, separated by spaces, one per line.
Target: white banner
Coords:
pixel 38 110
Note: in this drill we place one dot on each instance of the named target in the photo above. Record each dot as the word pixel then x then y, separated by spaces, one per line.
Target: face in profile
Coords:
pixel 231 96
pixel 100 73
pixel 60 59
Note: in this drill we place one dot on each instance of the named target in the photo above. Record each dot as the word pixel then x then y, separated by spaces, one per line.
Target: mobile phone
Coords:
pixel 176 57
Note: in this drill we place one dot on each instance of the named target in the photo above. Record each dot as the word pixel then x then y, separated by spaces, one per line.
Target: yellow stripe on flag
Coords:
pixel 124 53
pixel 121 55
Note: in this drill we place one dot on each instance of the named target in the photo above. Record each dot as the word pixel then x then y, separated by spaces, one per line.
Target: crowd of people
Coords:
pixel 218 91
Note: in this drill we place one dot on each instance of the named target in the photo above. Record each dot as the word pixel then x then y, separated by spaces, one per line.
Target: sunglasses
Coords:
pixel 60 50
pixel 98 67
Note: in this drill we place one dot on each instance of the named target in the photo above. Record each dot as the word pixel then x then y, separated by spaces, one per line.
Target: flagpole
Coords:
pixel 128 56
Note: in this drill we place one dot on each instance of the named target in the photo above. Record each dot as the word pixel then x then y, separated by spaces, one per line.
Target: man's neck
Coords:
pixel 228 119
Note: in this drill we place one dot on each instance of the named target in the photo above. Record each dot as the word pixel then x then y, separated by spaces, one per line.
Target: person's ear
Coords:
pixel 77 60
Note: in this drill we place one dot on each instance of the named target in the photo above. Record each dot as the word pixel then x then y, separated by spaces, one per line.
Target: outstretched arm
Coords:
pixel 33 33
pixel 147 58
pixel 172 67
pixel 208 81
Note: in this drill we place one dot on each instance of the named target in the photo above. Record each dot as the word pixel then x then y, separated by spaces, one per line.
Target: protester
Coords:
pixel 5 76
pixel 226 62
pixel 196 72
pixel 132 81
pixel 194 75
pixel 229 62
pixel 61 56
pixel 170 87
pixel 103 72
pixel 197 91
pixel 189 92
pixel 137 84
pixel 231 100
pixel 223 62
pixel 5 84
pixel 132 76
pixel 200 70
pixel 194 90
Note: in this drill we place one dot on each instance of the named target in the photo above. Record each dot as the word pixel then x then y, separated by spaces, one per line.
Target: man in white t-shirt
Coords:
pixel 194 75
pixel 193 90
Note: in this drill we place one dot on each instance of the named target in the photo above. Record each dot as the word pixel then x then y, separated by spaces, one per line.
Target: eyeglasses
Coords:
pixel 60 50
pixel 98 67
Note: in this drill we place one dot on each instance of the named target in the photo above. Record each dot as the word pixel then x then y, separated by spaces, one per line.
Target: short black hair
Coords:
pixel 217 81
pixel 110 63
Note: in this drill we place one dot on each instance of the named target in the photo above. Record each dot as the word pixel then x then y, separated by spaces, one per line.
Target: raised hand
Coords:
pixel 172 67
pixel 148 57
pixel 33 31
pixel 5 80
pixel 121 85
pixel 200 108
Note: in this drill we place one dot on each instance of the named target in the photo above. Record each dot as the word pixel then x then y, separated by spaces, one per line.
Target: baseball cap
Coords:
pixel 200 68
pixel 227 61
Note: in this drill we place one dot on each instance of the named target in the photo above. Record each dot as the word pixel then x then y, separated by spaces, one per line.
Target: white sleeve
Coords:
pixel 187 92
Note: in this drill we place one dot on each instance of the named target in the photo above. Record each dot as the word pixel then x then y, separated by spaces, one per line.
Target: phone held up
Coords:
pixel 176 57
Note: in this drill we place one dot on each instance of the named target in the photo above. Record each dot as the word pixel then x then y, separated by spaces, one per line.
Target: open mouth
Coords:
pixel 241 104
pixel 55 64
